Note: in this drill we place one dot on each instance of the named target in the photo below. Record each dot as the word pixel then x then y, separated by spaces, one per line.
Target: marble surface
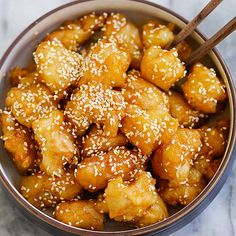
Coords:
pixel 220 217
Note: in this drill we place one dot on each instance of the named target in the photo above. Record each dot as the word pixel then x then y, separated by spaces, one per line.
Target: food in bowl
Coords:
pixel 107 122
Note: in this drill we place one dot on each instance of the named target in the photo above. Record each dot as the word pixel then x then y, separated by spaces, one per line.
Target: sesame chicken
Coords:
pixel 106 63
pixel 144 94
pixel 172 160
pixel 127 35
pixel 55 142
pixel 93 173
pixel 80 213
pixel 96 103
pixel 76 32
pixel 203 90
pixel 147 129
pixel 44 191
pixel 57 66
pixel 161 67
pixel 156 34
pixel 136 201
pixel 29 103
pixel 18 141
pixel 182 111
pixel 185 193
pixel 102 102
pixel 95 142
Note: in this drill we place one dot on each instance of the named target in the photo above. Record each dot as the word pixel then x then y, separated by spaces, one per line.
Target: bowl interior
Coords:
pixel 21 54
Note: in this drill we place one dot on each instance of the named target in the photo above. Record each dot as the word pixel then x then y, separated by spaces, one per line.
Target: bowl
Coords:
pixel 20 53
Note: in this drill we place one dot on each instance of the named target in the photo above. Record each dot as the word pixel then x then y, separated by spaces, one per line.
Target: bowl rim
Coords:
pixel 190 210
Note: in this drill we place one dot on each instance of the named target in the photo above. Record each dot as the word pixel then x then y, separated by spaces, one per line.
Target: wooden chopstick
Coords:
pixel 212 42
pixel 191 26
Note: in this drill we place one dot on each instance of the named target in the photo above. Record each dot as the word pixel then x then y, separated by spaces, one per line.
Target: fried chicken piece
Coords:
pixel 74 33
pixel 184 193
pixel 18 141
pixel 93 173
pixel 57 66
pixel 203 90
pixel 181 110
pixel 95 141
pixel 161 67
pixel 44 191
pixel 136 202
pixel 106 63
pixel 96 103
pixel 55 142
pixel 127 35
pixel 30 103
pixel 156 34
pixel 144 94
pixel 147 129
pixel 172 160
pixel 80 213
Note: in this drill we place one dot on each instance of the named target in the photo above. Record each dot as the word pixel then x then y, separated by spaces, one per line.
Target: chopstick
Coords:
pixel 191 26
pixel 212 42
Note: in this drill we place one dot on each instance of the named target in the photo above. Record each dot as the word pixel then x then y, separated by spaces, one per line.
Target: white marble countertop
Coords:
pixel 220 217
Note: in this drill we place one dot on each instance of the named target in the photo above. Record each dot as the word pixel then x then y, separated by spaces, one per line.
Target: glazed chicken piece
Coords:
pixel 127 35
pixel 136 201
pixel 80 213
pixel 57 66
pixel 93 173
pixel 106 63
pixel 18 142
pixel 203 90
pixel 172 160
pixel 96 103
pixel 161 67
pixel 55 142
pixel 144 94
pixel 182 111
pixel 95 142
pixel 184 193
pixel 74 33
pixel 30 103
pixel 156 34
pixel 44 191
pixel 147 129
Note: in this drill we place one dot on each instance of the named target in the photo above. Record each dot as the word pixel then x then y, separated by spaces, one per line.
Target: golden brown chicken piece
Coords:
pixel 182 111
pixel 95 142
pixel 184 50
pixel 144 94
pixel 127 35
pixel 21 75
pixel 30 103
pixel 214 141
pixel 55 142
pixel 161 67
pixel 156 34
pixel 74 33
pixel 136 201
pixel 80 213
pixel 106 63
pixel 203 89
pixel 57 66
pixel 96 103
pixel 44 191
pixel 184 193
pixel 172 160
pixel 93 173
pixel 147 129
pixel 17 140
